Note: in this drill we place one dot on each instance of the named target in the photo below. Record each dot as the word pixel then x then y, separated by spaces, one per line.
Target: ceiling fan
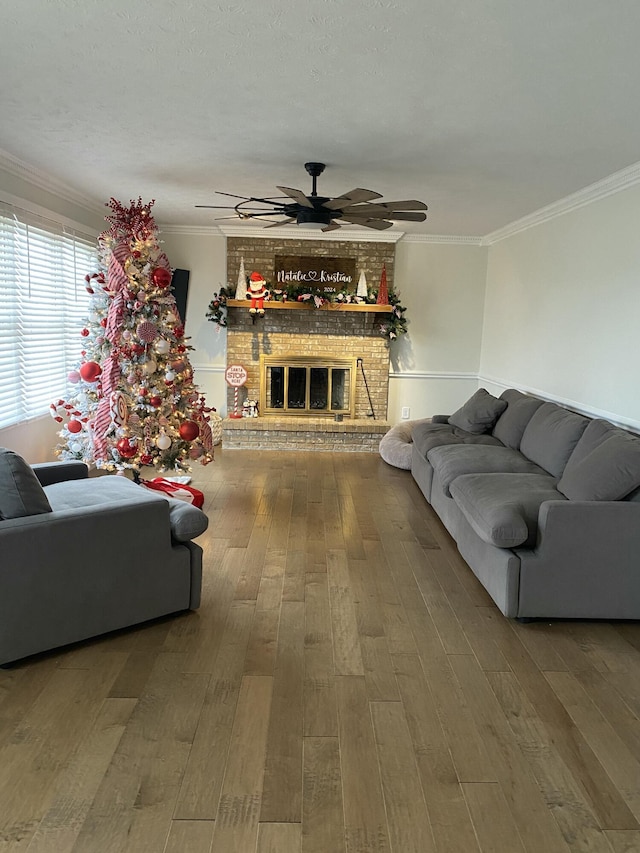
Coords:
pixel 320 213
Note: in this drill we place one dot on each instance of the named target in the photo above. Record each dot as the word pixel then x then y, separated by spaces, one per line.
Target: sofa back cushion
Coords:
pixel 479 413
pixel 512 423
pixel 609 472
pixel 20 491
pixel 551 436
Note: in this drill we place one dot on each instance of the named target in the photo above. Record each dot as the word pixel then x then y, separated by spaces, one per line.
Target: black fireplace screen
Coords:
pixel 300 386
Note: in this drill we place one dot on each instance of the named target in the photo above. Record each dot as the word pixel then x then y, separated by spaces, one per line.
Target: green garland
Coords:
pixel 395 324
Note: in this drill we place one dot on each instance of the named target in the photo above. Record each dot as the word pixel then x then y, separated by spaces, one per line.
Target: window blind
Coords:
pixel 43 303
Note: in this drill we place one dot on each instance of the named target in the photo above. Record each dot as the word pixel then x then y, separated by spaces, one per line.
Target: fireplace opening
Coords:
pixel 305 385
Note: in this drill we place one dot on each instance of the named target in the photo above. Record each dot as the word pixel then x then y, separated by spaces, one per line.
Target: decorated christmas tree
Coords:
pixel 133 399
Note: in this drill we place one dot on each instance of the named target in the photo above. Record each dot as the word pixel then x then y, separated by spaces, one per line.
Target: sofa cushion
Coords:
pixel 20 491
pixel 479 413
pixel 427 436
pixel 551 436
pixel 512 423
pixel 186 521
pixel 450 462
pixel 596 432
pixel 608 473
pixel 503 508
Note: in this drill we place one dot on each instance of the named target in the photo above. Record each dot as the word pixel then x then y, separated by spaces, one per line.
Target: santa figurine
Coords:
pixel 257 293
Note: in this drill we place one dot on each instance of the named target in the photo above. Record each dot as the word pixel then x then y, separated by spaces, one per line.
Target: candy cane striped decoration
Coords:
pixel 118 281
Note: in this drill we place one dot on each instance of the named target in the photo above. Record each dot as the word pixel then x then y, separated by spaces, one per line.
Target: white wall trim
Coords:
pixel 433 375
pixel 20 169
pixel 191 230
pixel 627 423
pixel 614 183
pixel 442 238
pixel 209 368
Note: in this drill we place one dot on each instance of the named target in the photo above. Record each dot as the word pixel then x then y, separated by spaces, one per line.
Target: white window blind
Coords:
pixel 43 303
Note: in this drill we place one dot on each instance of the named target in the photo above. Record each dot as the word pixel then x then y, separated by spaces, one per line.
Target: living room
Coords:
pixel 516 127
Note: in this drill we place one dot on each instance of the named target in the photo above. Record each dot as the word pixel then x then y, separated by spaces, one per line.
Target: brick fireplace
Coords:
pixel 304 334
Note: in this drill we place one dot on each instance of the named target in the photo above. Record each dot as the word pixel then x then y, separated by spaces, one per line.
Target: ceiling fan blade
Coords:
pixel 296 195
pixel 378 224
pixel 407 217
pixel 332 226
pixel 216 206
pixel 352 197
pixel 281 222
pixel 411 204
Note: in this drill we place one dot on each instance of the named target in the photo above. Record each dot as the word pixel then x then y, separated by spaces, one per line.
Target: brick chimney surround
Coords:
pixel 295 329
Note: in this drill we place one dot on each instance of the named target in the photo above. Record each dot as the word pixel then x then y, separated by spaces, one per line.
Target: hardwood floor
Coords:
pixel 347 686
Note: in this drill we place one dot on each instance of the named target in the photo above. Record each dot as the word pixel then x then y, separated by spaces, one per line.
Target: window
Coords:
pixel 43 303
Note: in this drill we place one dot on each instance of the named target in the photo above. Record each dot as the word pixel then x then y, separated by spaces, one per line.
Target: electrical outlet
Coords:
pixel 406 413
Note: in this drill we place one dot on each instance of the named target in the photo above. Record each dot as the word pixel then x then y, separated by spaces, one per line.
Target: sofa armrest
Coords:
pixel 586 563
pixel 57 472
pixel 440 419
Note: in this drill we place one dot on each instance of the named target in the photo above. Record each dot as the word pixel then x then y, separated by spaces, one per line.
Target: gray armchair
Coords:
pixel 83 556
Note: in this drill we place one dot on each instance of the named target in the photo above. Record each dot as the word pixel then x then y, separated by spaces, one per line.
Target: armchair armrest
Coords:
pixel 440 419
pixel 57 472
pixel 586 563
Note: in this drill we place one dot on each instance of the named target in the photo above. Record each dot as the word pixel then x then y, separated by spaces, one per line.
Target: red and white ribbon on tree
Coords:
pixel 118 281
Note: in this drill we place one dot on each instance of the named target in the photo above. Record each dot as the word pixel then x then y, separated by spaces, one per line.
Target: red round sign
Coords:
pixel 235 375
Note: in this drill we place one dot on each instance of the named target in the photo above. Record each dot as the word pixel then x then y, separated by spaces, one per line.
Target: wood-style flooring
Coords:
pixel 347 686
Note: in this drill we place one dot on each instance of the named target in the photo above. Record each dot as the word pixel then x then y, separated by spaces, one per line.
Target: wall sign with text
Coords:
pixel 321 275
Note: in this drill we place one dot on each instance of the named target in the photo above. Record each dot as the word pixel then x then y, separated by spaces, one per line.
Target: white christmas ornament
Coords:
pixel 162 346
pixel 169 376
pixel 149 367
pixel 163 441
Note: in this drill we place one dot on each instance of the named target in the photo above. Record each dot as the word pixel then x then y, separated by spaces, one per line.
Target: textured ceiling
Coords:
pixel 487 110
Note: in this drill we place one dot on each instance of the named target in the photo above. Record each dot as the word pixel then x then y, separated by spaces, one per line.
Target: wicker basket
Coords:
pixel 215 422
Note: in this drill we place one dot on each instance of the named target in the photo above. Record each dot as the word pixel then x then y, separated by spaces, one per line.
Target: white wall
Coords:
pixel 562 310
pixel 435 366
pixel 205 256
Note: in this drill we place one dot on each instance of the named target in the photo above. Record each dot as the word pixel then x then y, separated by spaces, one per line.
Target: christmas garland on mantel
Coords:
pixel 394 324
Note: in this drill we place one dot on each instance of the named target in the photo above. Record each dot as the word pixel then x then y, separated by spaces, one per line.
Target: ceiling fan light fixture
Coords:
pixel 313 219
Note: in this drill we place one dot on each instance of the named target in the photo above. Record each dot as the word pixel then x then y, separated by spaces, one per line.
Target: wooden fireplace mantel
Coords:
pixel 309 306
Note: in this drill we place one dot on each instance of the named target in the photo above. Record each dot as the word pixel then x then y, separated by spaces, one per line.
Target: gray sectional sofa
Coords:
pixel 82 556
pixel 543 503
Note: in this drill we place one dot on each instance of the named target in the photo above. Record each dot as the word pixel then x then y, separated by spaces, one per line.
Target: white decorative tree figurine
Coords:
pixel 134 401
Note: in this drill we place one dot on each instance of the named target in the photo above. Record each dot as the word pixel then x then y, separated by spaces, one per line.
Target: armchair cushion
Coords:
pixel 186 521
pixel 479 413
pixel 20 492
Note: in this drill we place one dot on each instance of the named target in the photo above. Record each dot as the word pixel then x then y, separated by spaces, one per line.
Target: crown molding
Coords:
pixel 191 230
pixel 618 181
pixel 359 235
pixel 442 238
pixel 26 172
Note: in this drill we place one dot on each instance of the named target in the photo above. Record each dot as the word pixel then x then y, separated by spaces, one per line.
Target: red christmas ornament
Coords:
pixel 126 448
pixel 143 392
pixel 189 430
pixel 138 349
pixel 85 333
pixel 90 371
pixel 155 401
pixel 74 426
pixel 146 459
pixel 103 322
pixel 178 331
pixel 161 277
